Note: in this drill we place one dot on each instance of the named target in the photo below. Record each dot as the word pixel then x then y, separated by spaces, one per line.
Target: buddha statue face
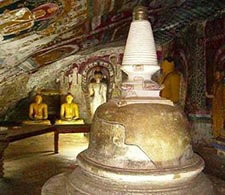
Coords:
pixel 38 99
pixel 219 75
pixel 98 77
pixel 167 66
pixel 69 98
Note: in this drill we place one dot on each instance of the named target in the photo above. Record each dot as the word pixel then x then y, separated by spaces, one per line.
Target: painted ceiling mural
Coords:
pixel 34 33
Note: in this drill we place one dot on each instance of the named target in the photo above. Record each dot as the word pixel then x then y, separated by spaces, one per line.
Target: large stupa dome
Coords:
pixel 154 134
pixel 139 148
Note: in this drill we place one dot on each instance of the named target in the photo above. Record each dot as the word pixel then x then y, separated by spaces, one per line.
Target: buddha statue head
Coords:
pixel 38 99
pixel 98 76
pixel 69 98
pixel 219 74
pixel 167 65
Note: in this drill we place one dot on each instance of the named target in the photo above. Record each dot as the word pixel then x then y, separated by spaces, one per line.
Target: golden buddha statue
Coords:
pixel 38 112
pixel 218 103
pixel 170 80
pixel 69 112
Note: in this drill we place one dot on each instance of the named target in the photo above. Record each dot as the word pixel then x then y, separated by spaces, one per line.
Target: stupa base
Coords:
pixel 62 185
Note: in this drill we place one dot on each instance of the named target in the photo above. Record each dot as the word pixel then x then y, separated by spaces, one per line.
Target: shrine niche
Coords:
pixel 97 84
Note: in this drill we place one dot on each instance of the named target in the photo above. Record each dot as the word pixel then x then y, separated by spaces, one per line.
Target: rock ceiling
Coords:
pixel 34 33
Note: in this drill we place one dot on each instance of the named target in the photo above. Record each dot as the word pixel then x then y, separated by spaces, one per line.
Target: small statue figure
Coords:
pixel 170 80
pixel 117 67
pixel 69 112
pixel 116 91
pixel 38 112
pixel 97 92
pixel 218 103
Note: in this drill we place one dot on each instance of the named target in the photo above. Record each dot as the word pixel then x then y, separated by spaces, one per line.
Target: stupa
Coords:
pixel 139 144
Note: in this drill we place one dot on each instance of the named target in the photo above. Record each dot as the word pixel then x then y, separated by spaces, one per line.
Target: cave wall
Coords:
pixel 198 51
pixel 55 80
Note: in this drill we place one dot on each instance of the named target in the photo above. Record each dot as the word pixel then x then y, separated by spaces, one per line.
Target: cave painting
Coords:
pixel 54 54
pixel 13 22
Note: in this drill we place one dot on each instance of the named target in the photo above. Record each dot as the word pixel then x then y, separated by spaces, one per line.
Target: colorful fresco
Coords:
pixel 43 32
pixel 17 20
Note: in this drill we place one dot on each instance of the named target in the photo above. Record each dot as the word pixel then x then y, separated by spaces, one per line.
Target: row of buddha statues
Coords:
pixel 38 112
pixel 69 111
pixel 172 89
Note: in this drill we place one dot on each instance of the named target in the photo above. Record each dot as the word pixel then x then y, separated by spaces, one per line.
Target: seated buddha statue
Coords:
pixel 170 81
pixel 69 112
pixel 38 112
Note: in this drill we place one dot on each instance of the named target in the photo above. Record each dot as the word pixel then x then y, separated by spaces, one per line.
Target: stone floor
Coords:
pixel 29 163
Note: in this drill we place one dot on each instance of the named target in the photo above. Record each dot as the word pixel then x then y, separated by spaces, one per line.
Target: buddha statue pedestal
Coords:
pixel 69 122
pixel 36 122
